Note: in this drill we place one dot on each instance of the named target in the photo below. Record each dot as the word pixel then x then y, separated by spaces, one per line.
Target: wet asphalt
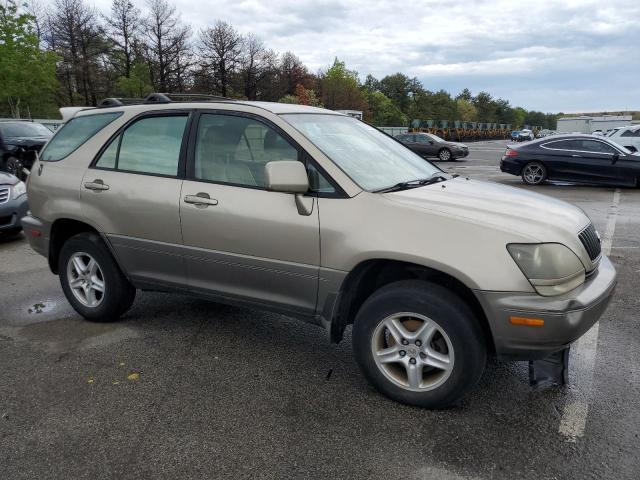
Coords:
pixel 184 388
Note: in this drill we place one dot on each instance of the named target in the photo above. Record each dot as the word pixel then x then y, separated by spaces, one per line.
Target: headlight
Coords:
pixel 552 268
pixel 18 189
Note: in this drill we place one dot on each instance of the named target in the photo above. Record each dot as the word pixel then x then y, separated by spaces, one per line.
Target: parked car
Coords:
pixel 319 216
pixel 428 145
pixel 628 137
pixel 19 140
pixel 13 204
pixel 576 158
pixel 525 135
pixel 515 134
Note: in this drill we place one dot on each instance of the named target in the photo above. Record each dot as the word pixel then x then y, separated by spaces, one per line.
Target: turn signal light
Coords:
pixel 530 322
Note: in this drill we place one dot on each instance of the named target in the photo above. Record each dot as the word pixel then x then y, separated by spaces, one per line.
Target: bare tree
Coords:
pixel 168 45
pixel 123 27
pixel 257 65
pixel 78 38
pixel 221 50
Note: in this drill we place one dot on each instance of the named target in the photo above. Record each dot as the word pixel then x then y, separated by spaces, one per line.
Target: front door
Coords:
pixel 132 193
pixel 242 242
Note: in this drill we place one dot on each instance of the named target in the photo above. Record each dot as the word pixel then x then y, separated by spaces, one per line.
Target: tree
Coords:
pixel 257 66
pixel 465 110
pixel 27 74
pixel 220 49
pixel 78 38
pixel 123 26
pixel 383 112
pixel 167 47
pixel 292 72
pixel 138 83
pixel 398 86
pixel 340 88
pixel 486 107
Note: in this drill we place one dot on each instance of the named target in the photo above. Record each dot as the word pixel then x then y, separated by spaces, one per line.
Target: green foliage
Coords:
pixel 27 73
pixel 383 112
pixel 289 99
pixel 466 111
pixel 138 84
pixel 340 88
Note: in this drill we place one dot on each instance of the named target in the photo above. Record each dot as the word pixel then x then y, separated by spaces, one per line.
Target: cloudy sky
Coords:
pixel 549 55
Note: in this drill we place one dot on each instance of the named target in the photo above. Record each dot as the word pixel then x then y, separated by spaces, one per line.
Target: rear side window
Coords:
pixel 150 145
pixel 631 133
pixel 74 133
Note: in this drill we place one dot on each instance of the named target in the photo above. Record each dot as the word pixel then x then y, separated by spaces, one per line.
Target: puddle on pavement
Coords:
pixel 67 334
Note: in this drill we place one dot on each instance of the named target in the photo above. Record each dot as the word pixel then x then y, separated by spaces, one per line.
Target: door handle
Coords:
pixel 97 184
pixel 574 155
pixel 201 198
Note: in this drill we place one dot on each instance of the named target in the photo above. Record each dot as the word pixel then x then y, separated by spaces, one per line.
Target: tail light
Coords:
pixel 510 153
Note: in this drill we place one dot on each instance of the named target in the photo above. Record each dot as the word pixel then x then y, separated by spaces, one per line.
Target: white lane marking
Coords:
pixel 584 354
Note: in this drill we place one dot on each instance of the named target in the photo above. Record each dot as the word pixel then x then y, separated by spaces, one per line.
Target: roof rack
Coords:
pixel 162 98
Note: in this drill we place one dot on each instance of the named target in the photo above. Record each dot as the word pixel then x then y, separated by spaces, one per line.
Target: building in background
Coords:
pixel 586 124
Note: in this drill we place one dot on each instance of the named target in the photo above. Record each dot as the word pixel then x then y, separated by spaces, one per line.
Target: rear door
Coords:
pixel 242 242
pixel 132 191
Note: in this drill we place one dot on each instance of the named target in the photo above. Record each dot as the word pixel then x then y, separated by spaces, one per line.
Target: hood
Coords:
pixel 526 214
pixel 456 144
pixel 26 142
pixel 7 179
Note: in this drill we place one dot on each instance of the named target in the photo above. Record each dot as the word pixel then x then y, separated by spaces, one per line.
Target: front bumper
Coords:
pixel 566 317
pixel 460 153
pixel 11 213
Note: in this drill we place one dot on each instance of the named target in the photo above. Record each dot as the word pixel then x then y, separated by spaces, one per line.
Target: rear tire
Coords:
pixel 445 350
pixel 534 173
pixel 91 279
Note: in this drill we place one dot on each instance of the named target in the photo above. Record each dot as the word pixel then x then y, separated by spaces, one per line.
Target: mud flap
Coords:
pixel 551 370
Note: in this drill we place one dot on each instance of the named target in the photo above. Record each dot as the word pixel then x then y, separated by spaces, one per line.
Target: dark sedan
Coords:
pixel 428 145
pixel 573 158
pixel 19 140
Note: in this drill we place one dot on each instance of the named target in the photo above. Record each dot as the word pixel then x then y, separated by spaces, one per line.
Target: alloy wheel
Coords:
pixel 533 173
pixel 86 279
pixel 412 351
pixel 445 155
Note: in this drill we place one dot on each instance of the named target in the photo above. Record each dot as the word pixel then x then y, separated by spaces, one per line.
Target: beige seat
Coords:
pixel 215 159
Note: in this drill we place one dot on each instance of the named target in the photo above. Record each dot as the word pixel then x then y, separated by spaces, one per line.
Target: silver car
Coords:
pixel 319 216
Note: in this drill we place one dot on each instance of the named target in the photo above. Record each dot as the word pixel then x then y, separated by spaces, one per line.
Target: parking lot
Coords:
pixel 184 388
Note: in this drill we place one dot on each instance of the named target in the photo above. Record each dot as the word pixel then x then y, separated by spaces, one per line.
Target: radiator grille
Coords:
pixel 4 195
pixel 590 241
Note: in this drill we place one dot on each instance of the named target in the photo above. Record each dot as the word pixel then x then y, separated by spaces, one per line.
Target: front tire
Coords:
pixel 418 343
pixel 445 155
pixel 92 281
pixel 534 173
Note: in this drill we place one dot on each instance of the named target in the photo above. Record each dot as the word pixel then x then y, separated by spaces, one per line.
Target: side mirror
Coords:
pixel 615 158
pixel 287 176
pixel 430 142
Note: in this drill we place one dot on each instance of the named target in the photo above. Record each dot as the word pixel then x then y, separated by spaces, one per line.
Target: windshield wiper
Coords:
pixel 435 178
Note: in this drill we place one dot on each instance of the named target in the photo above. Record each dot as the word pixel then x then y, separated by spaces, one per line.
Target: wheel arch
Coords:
pixel 370 275
pixel 63 229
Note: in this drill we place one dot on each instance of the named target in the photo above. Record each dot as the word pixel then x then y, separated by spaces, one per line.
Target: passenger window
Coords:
pixel 152 145
pixel 595 147
pixel 74 133
pixel 108 157
pixel 423 139
pixel 234 149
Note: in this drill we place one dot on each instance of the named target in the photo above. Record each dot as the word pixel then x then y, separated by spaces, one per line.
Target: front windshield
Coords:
pixel 369 157
pixel 24 129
